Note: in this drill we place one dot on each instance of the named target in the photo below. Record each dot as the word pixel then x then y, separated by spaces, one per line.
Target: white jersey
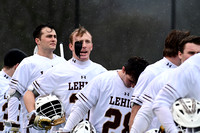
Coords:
pixel 4 86
pixel 28 70
pixel 148 75
pixel 145 119
pixel 184 82
pixel 109 101
pixel 66 80
pixel 155 86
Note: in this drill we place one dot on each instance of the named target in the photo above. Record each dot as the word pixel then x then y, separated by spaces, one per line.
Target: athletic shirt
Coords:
pixel 184 82
pixel 66 80
pixel 29 70
pixel 148 75
pixel 4 86
pixel 155 86
pixel 109 101
pixel 145 114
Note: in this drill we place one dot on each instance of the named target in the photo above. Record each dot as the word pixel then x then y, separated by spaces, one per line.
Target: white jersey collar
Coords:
pixel 6 76
pixel 169 63
pixel 80 64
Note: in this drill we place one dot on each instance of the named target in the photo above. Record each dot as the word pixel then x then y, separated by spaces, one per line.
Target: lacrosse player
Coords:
pixel 11 61
pixel 188 47
pixel 31 68
pixel 170 60
pixel 67 79
pixel 108 97
pixel 184 82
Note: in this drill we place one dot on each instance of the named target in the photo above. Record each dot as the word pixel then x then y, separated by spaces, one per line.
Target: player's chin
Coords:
pixel 84 58
pixel 53 48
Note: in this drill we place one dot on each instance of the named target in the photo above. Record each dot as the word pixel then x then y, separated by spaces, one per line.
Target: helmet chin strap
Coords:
pixel 78 47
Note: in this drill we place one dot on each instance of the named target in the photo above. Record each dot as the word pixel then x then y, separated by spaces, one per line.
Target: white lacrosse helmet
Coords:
pixel 50 106
pixel 154 130
pixel 186 113
pixel 84 127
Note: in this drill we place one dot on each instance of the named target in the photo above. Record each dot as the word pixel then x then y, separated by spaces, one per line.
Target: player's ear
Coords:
pixel 37 40
pixel 92 47
pixel 71 46
pixel 123 69
pixel 179 54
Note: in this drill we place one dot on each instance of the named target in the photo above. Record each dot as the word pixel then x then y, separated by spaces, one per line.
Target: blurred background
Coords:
pixel 120 28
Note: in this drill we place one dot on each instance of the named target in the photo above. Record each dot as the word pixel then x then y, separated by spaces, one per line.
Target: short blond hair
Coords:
pixel 78 32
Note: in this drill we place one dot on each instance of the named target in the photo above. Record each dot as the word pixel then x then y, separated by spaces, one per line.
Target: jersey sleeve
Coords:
pixel 166 119
pixel 13 109
pixel 46 83
pixel 89 95
pixel 3 98
pixel 52 79
pixel 179 85
pixel 77 113
pixel 20 78
pixel 154 86
pixel 149 93
pixel 143 119
pixel 144 79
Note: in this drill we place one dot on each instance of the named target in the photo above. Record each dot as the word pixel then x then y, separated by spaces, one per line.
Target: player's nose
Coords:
pixel 84 44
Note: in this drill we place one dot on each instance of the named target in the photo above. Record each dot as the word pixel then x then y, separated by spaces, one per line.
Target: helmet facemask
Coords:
pixel 51 107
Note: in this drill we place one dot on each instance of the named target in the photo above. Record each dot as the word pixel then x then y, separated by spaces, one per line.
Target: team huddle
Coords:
pixel 45 93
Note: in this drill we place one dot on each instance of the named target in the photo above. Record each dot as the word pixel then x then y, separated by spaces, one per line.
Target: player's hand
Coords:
pixel 10 126
pixel 39 122
pixel 42 122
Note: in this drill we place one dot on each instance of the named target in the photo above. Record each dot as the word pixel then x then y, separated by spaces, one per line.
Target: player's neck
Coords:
pixel 175 60
pixel 46 54
pixel 9 72
pixel 120 73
